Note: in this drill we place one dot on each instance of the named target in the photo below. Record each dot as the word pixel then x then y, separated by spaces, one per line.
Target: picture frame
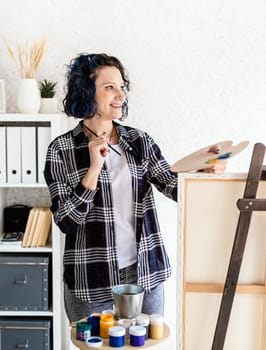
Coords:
pixel 2 96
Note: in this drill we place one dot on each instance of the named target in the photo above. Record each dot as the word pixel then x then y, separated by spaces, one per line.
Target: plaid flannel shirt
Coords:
pixel 87 217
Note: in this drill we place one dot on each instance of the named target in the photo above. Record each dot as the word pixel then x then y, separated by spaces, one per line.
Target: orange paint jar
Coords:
pixel 106 322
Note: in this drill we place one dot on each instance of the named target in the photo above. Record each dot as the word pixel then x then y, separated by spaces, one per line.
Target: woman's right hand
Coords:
pixel 98 149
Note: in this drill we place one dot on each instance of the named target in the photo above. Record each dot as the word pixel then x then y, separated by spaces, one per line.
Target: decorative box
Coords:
pixel 22 333
pixel 24 282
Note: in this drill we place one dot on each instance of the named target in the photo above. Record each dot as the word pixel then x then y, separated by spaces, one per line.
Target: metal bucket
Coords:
pixel 128 300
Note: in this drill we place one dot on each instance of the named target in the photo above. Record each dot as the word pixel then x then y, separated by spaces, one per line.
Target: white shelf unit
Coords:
pixel 35 192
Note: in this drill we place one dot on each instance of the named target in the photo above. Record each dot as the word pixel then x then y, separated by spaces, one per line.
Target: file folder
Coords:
pixel 13 146
pixel 2 154
pixel 43 140
pixel 28 154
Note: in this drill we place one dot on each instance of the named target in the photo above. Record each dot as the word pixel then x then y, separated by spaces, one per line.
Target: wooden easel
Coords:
pixel 246 205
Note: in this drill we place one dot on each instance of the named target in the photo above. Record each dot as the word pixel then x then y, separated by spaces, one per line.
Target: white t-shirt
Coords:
pixel 122 201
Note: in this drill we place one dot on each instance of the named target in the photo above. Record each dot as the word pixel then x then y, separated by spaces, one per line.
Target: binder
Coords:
pixel 2 154
pixel 13 146
pixel 43 140
pixel 45 224
pixel 28 154
pixel 28 227
pixel 35 218
pixel 38 228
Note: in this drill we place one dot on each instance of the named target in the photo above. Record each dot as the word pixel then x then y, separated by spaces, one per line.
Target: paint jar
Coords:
pixel 137 335
pixel 126 323
pixel 94 320
pixel 117 336
pixel 106 322
pixel 83 330
pixel 144 320
pixel 94 342
pixel 156 326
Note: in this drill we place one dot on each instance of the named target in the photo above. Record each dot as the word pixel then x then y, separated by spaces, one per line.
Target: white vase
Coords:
pixel 2 96
pixel 48 105
pixel 28 99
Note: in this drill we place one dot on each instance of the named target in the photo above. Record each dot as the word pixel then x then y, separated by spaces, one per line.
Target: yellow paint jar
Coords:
pixel 156 326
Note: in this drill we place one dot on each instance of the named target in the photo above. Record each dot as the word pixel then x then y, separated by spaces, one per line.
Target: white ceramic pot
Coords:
pixel 48 105
pixel 28 99
pixel 2 96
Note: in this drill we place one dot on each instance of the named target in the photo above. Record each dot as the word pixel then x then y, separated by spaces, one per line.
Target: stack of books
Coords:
pixel 38 227
pixel 14 238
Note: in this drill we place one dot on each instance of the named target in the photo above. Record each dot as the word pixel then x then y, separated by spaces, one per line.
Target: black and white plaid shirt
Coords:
pixel 87 217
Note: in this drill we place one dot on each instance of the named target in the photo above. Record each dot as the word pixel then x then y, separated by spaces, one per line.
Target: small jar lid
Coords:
pixel 92 319
pixel 108 312
pixel 94 342
pixel 83 326
pixel 156 318
pixel 143 320
pixel 125 322
pixel 117 331
pixel 137 330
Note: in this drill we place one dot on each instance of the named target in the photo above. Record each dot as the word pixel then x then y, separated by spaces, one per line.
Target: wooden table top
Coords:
pixel 149 343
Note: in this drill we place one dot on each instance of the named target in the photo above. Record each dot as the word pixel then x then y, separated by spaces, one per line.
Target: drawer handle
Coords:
pixel 21 279
pixel 24 345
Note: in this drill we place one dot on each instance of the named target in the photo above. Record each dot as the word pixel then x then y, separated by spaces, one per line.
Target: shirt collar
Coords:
pixel 80 136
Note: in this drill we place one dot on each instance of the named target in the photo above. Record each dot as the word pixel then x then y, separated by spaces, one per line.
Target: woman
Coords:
pixel 100 177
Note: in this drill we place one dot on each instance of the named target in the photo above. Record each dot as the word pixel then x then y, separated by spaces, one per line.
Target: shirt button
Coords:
pixel 130 148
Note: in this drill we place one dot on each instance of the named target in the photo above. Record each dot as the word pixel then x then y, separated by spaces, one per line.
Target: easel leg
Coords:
pixel 254 176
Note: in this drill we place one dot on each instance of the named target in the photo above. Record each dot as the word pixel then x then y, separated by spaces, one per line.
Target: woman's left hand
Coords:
pixel 218 168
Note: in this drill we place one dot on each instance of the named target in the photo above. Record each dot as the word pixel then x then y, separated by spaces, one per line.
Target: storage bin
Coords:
pixel 24 334
pixel 24 282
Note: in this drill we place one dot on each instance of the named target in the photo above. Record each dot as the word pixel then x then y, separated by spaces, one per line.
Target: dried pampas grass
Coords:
pixel 27 59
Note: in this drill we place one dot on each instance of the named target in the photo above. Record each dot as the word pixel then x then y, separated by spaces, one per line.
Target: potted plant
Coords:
pixel 48 99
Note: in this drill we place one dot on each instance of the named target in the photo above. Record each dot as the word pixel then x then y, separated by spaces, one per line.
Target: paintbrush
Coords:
pixel 110 146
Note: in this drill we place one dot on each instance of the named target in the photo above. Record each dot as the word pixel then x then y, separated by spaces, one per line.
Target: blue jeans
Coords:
pixel 77 309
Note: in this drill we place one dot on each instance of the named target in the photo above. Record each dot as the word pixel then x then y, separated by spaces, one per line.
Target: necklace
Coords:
pixel 93 133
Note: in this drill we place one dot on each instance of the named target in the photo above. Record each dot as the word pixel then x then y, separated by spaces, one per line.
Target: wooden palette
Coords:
pixel 204 158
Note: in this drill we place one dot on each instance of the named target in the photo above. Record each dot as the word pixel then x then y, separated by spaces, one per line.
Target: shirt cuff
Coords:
pixel 84 194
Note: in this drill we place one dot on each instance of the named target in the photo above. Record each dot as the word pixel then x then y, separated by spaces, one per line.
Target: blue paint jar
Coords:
pixel 117 336
pixel 94 320
pixel 137 335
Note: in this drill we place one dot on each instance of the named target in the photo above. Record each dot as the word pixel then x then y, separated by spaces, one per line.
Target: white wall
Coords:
pixel 198 70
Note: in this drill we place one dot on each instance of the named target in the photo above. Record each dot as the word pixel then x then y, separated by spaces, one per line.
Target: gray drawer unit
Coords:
pixel 24 334
pixel 24 282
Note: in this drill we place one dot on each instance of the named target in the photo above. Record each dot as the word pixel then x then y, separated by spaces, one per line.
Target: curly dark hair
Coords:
pixel 80 101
